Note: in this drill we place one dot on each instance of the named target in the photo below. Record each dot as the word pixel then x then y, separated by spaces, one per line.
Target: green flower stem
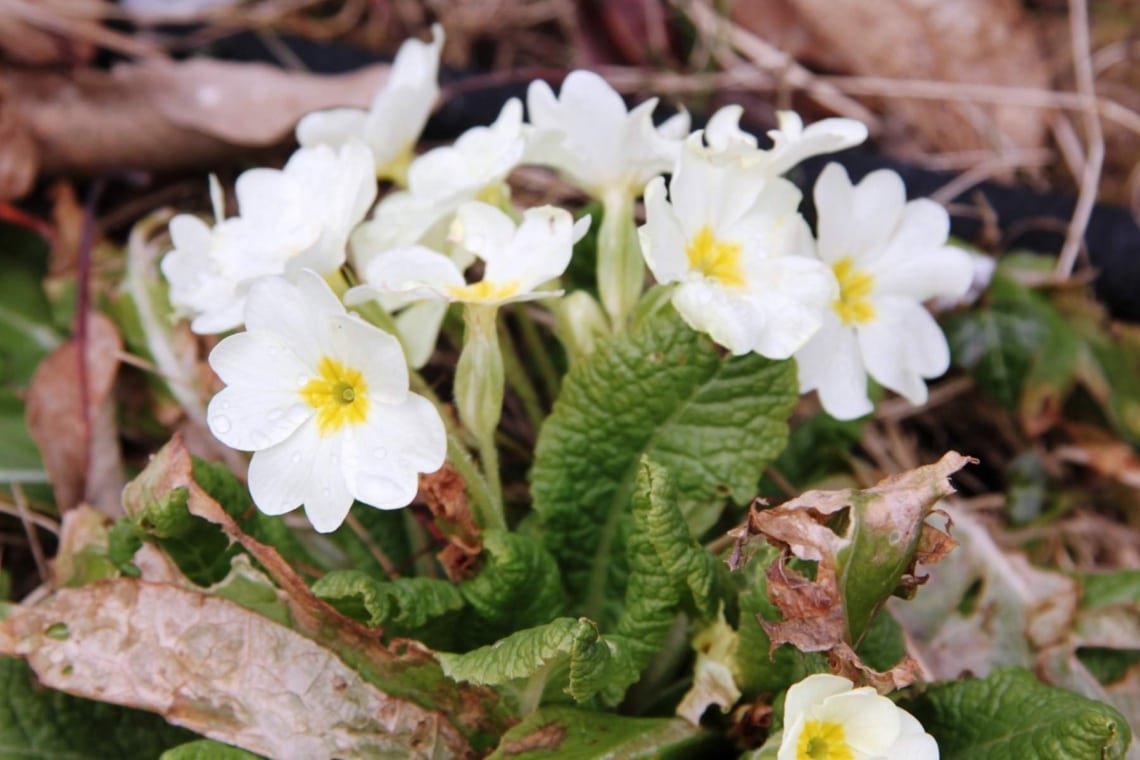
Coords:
pixel 479 382
pixel 518 378
pixel 487 512
pixel 538 351
pixel 621 271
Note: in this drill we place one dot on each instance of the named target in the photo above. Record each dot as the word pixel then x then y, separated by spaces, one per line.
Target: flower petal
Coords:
pixel 539 251
pixel 731 321
pixel 419 326
pixel 414 270
pixel 404 440
pixel 278 475
pixel 662 239
pixel 903 345
pixel 483 230
pixel 252 419
pixel 334 126
pixel 298 310
pixel 327 497
pixel 830 363
pixel 870 722
pixel 811 692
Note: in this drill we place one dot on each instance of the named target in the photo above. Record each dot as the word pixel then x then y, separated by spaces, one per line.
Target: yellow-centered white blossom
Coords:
pixel 826 718
pixel 886 257
pixel 732 240
pixel 321 398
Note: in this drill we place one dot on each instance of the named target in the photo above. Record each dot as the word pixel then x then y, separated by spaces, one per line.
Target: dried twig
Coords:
pixel 1094 159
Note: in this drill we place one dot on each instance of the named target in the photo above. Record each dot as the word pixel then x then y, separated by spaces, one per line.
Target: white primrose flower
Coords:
pixel 517 259
pixel 296 217
pixel 791 141
pixel 887 257
pixel 392 126
pixel 588 135
pixel 321 398
pixel 825 717
pixel 732 239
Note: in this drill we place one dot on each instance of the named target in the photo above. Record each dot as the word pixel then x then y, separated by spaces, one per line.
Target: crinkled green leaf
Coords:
pixel 818 448
pixel 207 749
pixel 1010 715
pixel 566 654
pixel 39 723
pixel 517 588
pixel 402 607
pixel 570 733
pixel 662 391
pixel 667 568
pixel 252 589
pixel 884 644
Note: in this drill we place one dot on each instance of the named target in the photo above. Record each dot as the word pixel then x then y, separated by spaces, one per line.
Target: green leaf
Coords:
pixel 569 733
pixel 517 588
pixel 818 448
pixel 403 607
pixel 884 645
pixel 36 722
pixel 998 344
pixel 665 392
pixel 667 567
pixel 1103 589
pixel 1010 715
pixel 207 749
pixel 566 655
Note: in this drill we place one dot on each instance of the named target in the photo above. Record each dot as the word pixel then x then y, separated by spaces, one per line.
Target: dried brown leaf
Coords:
pixel 79 445
pixel 164 115
pixel 985 608
pixel 445 494
pixel 210 665
pixel 866 545
pixel 968 41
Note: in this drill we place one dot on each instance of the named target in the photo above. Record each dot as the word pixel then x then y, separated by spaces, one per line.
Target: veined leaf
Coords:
pixel 517 588
pixel 1011 715
pixel 570 733
pixel 402 607
pixel 666 569
pixel 665 392
pixel 566 654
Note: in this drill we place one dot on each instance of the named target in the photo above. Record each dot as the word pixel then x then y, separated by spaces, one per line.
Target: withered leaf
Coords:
pixel 214 667
pixel 866 544
pixel 79 444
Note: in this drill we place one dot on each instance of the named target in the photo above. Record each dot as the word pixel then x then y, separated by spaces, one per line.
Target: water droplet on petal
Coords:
pixel 301 380
pixel 225 404
pixel 275 415
pixel 296 457
pixel 221 424
pixel 379 452
pixel 259 439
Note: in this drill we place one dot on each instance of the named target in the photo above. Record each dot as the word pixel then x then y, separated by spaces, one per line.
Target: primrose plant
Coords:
pixel 601 425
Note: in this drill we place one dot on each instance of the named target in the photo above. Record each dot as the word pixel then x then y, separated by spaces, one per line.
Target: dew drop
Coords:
pixel 296 457
pixel 379 452
pixel 259 439
pixel 221 424
pixel 225 404
pixel 275 415
pixel 301 380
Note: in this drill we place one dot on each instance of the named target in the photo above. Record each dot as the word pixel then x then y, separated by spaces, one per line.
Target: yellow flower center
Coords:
pixel 823 740
pixel 854 305
pixel 484 291
pixel 339 394
pixel 714 258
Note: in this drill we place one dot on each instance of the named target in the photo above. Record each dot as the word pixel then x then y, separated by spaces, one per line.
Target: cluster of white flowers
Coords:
pixel 322 397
